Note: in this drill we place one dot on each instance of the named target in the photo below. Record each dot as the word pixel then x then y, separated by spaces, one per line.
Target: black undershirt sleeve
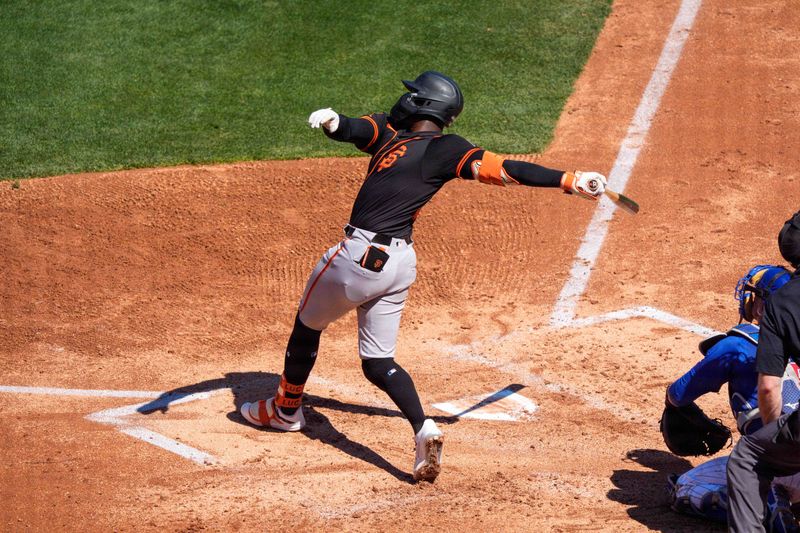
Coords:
pixel 359 131
pixel 532 174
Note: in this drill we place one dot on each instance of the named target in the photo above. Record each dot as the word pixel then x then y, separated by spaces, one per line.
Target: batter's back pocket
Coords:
pixel 374 259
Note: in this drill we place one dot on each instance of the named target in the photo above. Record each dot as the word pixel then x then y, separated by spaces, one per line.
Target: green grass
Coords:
pixel 88 85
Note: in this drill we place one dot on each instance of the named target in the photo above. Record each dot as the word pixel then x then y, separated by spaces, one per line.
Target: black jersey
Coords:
pixel 780 330
pixel 407 168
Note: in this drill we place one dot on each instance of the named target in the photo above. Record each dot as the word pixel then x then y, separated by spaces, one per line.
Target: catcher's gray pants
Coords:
pixel 757 459
pixel 339 284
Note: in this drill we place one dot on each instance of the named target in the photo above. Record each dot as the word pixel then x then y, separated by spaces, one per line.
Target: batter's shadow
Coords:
pixel 253 386
pixel 646 494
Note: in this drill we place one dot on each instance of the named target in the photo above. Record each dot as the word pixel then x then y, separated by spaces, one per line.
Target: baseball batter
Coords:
pixel 374 265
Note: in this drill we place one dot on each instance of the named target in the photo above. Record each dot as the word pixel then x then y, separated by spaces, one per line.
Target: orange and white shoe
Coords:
pixel 428 460
pixel 264 413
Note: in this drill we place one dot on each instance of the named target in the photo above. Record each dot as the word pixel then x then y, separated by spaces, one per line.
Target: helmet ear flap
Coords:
pixel 747 307
pixel 402 110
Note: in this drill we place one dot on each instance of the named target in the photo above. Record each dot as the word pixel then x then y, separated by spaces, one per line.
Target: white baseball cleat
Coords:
pixel 428 460
pixel 264 413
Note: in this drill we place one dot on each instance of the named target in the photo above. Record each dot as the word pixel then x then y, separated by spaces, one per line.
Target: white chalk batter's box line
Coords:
pixel 513 407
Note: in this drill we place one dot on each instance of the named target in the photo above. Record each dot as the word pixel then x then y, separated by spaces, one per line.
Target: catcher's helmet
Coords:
pixel 761 281
pixel 432 95
pixel 789 240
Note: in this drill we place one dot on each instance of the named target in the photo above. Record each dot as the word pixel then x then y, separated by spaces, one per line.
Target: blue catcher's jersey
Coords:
pixel 731 359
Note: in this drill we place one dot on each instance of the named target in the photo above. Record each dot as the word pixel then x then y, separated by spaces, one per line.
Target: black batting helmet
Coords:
pixel 432 95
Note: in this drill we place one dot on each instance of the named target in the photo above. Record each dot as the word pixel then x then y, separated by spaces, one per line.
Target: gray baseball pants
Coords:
pixel 340 284
pixel 757 459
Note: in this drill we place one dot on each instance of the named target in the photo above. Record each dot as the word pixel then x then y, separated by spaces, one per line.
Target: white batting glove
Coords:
pixel 327 118
pixel 589 185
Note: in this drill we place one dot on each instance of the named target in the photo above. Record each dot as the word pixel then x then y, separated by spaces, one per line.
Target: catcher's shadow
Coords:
pixel 646 495
pixel 253 386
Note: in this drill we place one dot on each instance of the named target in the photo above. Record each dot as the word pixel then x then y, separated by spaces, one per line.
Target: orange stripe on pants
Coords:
pixel 314 284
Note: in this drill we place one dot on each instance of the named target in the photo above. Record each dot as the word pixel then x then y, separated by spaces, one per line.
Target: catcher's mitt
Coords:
pixel 688 431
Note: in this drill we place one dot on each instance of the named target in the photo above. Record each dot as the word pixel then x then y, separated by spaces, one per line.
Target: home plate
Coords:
pixel 505 405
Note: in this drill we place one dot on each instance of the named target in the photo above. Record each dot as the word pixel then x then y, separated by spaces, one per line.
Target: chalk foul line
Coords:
pixel 596 232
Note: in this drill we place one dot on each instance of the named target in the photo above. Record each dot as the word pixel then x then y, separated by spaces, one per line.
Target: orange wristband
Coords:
pixel 568 182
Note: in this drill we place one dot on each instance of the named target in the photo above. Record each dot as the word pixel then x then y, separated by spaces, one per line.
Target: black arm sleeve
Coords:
pixel 532 174
pixel 360 131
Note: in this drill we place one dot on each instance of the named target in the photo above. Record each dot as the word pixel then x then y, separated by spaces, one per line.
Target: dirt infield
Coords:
pixel 118 287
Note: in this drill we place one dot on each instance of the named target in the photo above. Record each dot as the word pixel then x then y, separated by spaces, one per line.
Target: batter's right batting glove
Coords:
pixel 589 185
pixel 327 118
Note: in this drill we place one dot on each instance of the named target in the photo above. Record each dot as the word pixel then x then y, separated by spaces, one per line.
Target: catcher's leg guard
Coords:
pixel 701 491
pixel 392 379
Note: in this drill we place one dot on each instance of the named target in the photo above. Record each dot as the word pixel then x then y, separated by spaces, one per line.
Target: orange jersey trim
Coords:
pixel 374 135
pixel 464 160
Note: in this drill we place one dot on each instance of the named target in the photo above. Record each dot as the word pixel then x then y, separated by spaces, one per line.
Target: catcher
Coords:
pixel 728 358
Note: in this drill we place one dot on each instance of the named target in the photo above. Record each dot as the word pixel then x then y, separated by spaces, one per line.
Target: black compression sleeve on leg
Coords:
pixel 301 354
pixel 392 379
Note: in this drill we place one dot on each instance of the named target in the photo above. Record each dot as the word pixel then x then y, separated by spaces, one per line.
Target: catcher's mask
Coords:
pixel 789 240
pixel 761 282
pixel 432 95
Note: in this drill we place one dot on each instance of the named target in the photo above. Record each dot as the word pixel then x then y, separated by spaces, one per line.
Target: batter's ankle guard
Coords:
pixel 289 396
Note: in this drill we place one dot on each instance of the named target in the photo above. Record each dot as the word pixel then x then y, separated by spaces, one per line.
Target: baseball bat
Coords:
pixel 623 201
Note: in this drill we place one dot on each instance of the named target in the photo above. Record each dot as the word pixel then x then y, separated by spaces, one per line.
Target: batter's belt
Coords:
pixel 378 238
